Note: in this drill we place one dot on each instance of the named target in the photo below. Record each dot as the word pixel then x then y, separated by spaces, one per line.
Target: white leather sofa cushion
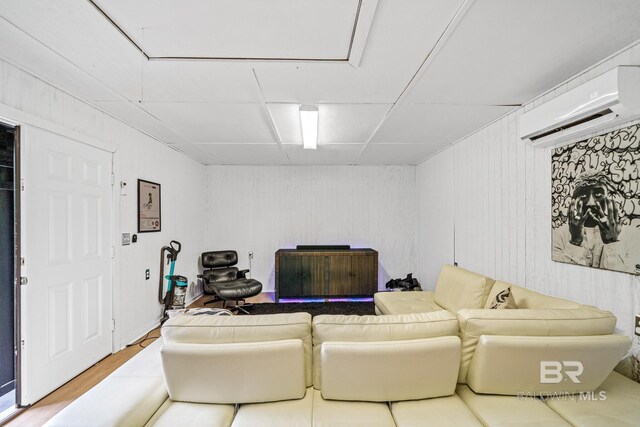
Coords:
pixel 116 401
pixel 290 413
pixel 173 414
pixel 237 329
pixel 384 371
pixel 405 302
pixel 378 328
pixel 335 413
pixel 444 411
pixel 528 322
pixel 525 298
pixel 507 411
pixel 235 373
pixel 511 365
pixel 457 288
pixel 615 403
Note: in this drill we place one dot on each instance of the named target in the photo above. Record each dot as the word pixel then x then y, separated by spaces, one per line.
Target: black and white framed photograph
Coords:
pixel 595 201
pixel 149 209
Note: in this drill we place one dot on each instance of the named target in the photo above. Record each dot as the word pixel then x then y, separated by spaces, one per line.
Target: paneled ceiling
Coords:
pixel 395 81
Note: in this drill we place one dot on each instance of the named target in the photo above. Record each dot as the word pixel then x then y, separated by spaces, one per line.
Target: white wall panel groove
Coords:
pixel 265 208
pixel 502 212
pixel 137 155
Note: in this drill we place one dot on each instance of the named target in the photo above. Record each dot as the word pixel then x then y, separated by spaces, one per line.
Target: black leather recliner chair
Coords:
pixel 224 281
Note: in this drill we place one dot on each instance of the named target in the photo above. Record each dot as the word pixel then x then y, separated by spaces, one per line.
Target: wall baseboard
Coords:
pixel 191 300
pixel 141 332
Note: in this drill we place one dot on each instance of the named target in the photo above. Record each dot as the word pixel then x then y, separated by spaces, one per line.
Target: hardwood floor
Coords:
pixel 43 410
pixel 47 407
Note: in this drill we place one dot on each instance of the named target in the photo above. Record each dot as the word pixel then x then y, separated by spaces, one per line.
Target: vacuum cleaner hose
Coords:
pixel 161 285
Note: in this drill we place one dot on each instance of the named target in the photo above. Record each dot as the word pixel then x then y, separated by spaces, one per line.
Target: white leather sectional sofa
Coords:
pixel 439 367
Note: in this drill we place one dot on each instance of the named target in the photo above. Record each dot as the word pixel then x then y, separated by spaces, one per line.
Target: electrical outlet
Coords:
pixel 147 274
pixel 250 254
pixel 638 325
pixel 126 239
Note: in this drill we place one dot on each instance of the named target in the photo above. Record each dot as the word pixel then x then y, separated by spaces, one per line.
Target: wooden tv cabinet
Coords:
pixel 326 273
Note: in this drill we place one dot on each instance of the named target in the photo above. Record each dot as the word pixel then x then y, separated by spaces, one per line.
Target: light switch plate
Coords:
pixel 638 325
pixel 126 239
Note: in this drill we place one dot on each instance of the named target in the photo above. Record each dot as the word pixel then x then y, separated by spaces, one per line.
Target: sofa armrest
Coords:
pixel 116 401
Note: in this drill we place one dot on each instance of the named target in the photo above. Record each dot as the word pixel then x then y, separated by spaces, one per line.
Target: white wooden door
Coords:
pixel 66 303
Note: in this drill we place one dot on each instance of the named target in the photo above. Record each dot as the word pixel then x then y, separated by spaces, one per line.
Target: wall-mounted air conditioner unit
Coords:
pixel 608 100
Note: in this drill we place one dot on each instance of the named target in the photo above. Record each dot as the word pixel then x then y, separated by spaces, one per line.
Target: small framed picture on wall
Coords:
pixel 149 210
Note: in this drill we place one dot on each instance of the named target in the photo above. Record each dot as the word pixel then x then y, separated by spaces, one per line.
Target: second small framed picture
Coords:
pixel 149 208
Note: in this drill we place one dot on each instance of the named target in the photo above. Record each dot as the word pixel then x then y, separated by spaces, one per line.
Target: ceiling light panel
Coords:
pixel 309 125
pixel 254 29
pixel 338 123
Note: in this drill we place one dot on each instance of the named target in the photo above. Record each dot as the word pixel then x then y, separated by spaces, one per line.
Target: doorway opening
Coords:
pixel 9 203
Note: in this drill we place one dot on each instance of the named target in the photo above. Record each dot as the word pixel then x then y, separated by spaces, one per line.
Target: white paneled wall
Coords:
pixel 25 99
pixel 435 243
pixel 502 211
pixel 265 208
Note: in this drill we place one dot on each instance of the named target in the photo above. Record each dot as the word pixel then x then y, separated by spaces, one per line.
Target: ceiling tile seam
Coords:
pixel 454 104
pixel 89 103
pixel 228 59
pixel 362 30
pixel 455 21
pixel 174 148
pixel 99 82
pixel 159 123
pixel 353 29
pixel 274 129
pixel 215 157
pixel 424 144
pixel 335 103
pixel 273 142
pixel 240 59
pixel 206 102
pixel 214 58
pixel 532 100
pixel 236 143
pixel 120 30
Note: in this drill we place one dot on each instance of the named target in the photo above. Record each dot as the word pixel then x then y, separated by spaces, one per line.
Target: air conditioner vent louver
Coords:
pixel 607 101
pixel 573 124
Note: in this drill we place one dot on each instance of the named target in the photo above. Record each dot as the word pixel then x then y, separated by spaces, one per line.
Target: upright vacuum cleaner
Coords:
pixel 177 285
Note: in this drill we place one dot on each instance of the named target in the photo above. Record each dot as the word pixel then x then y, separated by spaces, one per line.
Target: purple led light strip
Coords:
pixel 300 300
